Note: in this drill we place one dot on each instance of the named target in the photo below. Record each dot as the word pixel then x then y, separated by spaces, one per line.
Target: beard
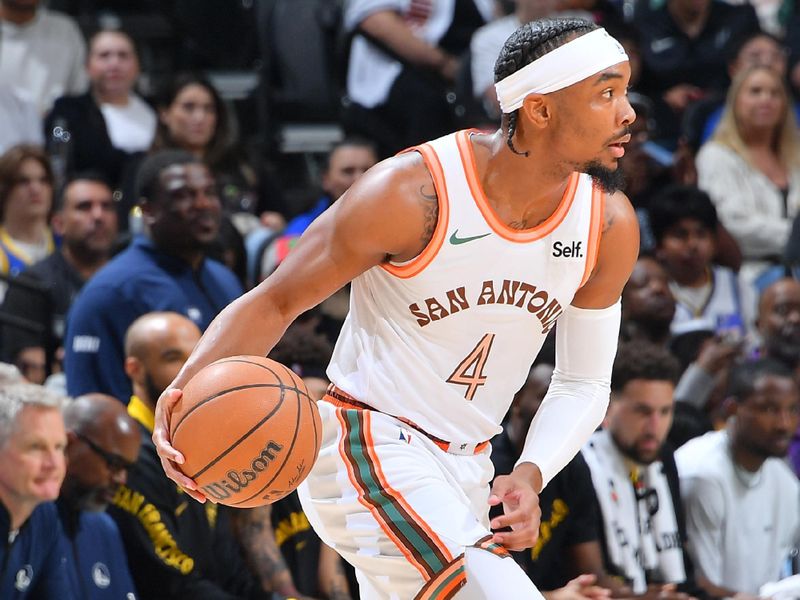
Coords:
pixel 153 391
pixel 785 349
pixel 609 180
pixel 88 498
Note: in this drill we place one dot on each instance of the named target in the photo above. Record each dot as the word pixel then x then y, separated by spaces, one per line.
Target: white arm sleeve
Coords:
pixel 576 401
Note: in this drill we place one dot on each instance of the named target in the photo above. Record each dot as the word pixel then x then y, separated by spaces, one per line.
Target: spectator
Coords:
pixel 86 223
pixel 568 544
pixel 751 169
pixel 20 122
pixel 109 124
pixel 645 171
pixel 648 308
pixel 347 161
pixel 684 47
pixel 102 443
pixel 753 49
pixel 648 305
pixel 779 323
pixel 779 329
pixel 487 42
pixel 166 269
pixel 684 223
pixel 403 57
pixel 634 474
pixel 42 53
pixel 176 548
pixel 32 442
pixel 26 198
pixel 741 499
pixel 302 564
pixel 192 117
pixel 31 362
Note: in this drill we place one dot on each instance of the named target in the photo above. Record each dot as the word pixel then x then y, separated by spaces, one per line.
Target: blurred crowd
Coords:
pixel 141 192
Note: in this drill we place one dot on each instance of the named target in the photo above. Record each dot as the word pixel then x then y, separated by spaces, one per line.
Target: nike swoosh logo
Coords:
pixel 455 240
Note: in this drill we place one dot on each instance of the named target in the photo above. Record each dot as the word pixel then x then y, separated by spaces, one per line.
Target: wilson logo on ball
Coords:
pixel 248 430
pixel 236 481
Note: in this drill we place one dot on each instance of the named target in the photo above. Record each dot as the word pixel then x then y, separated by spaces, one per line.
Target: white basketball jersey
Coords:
pixel 446 340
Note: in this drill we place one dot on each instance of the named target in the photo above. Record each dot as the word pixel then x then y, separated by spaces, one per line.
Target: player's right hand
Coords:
pixel 170 457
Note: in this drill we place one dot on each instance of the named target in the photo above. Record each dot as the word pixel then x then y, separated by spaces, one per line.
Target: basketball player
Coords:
pixel 464 252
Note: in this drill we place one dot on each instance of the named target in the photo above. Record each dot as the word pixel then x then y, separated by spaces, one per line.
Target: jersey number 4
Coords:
pixel 469 371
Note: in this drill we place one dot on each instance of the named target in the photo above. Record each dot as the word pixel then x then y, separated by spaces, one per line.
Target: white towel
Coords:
pixel 641 534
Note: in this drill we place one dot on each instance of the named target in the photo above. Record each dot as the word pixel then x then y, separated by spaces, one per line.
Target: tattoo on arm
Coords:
pixel 430 203
pixel 258 541
pixel 340 590
pixel 608 222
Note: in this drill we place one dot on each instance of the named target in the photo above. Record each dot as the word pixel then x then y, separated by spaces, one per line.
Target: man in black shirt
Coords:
pixel 568 544
pixel 685 46
pixel 177 548
pixel 87 224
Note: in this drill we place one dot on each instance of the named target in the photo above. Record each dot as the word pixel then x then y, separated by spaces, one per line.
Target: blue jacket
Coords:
pixel 139 280
pixel 32 562
pixel 96 564
pixel 301 222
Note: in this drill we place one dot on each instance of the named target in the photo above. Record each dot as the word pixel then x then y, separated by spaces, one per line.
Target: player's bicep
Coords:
pixel 375 219
pixel 619 249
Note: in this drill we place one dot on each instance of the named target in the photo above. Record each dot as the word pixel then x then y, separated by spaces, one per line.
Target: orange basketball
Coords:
pixel 248 430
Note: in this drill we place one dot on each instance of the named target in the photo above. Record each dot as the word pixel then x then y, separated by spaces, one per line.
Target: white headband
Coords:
pixel 573 62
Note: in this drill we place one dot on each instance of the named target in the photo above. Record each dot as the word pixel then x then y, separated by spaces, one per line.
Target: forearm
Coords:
pixel 389 29
pixel 569 414
pixel 262 553
pixel 332 579
pixel 577 398
pixel 695 386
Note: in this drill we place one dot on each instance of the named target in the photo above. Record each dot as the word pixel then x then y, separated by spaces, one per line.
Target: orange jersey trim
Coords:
pixel 497 225
pixel 416 265
pixel 595 232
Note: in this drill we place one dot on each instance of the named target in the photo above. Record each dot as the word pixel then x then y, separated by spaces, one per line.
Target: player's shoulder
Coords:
pixel 394 187
pixel 618 206
pixel 620 222
pixel 396 174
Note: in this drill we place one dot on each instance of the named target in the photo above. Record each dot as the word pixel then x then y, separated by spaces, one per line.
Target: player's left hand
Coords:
pixel 521 510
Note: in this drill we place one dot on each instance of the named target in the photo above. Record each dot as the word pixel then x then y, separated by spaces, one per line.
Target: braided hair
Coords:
pixel 531 41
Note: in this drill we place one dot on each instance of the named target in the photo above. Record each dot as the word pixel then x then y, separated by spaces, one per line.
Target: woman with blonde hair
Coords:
pixel 751 166
pixel 751 170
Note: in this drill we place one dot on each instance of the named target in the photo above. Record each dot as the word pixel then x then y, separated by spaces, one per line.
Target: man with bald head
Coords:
pixel 102 443
pixel 176 547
